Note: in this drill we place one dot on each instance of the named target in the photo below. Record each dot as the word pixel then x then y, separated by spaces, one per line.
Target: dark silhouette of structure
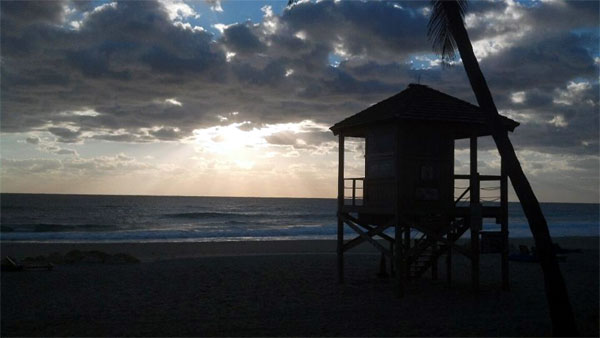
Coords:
pixel 447 31
pixel 409 184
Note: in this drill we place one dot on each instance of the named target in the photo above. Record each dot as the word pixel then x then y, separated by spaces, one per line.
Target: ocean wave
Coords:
pixel 54 227
pixel 211 215
pixel 15 207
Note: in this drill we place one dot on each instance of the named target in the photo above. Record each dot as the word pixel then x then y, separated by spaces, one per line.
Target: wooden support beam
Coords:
pixel 406 250
pixel 399 269
pixel 391 260
pixel 475 211
pixel 449 243
pixel 504 225
pixel 353 192
pixel 364 235
pixel 449 266
pixel 370 228
pixel 434 271
pixel 415 251
pixel 371 233
pixel 340 225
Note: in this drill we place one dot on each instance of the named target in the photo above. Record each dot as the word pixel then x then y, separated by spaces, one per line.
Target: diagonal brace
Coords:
pixel 368 238
pixel 372 232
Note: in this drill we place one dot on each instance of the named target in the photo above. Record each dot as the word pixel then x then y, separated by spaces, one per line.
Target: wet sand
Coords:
pixel 284 288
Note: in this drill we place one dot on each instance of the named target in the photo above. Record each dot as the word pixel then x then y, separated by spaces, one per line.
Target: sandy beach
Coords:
pixel 280 288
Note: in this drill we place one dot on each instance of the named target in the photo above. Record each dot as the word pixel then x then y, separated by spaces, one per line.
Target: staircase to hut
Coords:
pixel 426 249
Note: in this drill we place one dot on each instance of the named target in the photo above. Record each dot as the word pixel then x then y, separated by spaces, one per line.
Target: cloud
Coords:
pixel 215 5
pixel 65 135
pixel 573 93
pixel 32 140
pixel 30 166
pixel 166 134
pixel 149 79
pixel 377 30
pixel 178 10
pixel 239 38
pixel 74 166
pixel 282 138
pixel 20 14
pixel 64 151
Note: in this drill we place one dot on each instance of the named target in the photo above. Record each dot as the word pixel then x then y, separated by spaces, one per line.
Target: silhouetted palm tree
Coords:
pixel 447 31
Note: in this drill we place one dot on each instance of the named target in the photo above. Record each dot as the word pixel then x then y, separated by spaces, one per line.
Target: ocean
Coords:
pixel 102 218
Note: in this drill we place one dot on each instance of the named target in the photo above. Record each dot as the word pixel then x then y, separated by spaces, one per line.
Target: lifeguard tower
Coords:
pixel 407 205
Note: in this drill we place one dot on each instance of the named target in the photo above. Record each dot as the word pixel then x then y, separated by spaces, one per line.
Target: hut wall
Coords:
pixel 380 166
pixel 427 169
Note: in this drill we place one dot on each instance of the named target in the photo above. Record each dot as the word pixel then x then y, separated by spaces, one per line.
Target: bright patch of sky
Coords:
pixel 173 102
pixel 529 3
pixel 205 14
pixel 518 97
pixel 423 11
pixel 558 121
pixel 233 12
pixel 424 61
pixel 572 93
pixel 85 112
pixel 334 59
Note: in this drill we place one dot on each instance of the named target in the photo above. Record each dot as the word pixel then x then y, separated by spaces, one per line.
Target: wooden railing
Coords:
pixel 354 189
pixel 469 189
pixel 356 196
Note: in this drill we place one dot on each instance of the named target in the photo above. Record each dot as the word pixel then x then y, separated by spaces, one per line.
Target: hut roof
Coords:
pixel 421 103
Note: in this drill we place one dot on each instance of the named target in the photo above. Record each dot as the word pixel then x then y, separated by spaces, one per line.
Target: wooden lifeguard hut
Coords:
pixel 408 197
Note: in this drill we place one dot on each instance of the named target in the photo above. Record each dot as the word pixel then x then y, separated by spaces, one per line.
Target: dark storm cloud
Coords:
pixel 122 58
pixel 560 16
pixel 148 79
pixel 83 5
pixel 93 63
pixel 557 58
pixel 65 135
pixel 373 28
pixel 18 14
pixel 493 18
pixel 239 38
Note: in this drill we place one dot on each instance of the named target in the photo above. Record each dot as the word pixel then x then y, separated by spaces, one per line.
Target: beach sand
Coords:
pixel 280 288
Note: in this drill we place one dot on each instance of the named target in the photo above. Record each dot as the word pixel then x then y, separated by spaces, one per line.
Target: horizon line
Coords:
pixel 220 196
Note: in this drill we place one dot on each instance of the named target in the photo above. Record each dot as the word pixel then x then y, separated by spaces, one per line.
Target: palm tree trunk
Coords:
pixel 561 313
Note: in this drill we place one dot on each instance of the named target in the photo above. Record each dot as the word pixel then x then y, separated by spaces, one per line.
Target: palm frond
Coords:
pixel 438 28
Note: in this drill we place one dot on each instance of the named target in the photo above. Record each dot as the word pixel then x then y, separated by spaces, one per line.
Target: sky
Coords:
pixel 235 98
